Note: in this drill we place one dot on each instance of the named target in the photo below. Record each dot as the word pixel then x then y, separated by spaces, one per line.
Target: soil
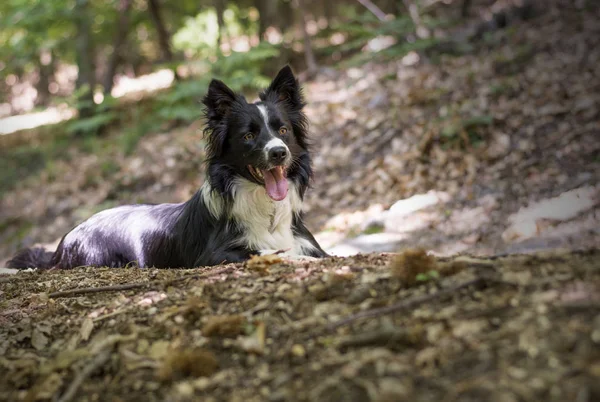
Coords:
pixel 374 327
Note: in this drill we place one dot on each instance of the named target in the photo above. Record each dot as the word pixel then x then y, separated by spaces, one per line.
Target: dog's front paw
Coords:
pixel 287 255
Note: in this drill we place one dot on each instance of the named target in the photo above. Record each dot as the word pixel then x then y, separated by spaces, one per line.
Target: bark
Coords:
pixel 262 18
pixel 119 40
pixel 285 16
pixel 220 9
pixel 466 5
pixel 164 37
pixel 46 72
pixel 85 59
pixel 311 62
pixel 329 10
pixel 269 16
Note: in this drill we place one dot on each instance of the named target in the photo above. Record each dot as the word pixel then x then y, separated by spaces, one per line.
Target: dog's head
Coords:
pixel 263 141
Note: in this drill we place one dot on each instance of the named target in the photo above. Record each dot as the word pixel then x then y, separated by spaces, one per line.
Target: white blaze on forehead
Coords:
pixel 265 114
pixel 273 142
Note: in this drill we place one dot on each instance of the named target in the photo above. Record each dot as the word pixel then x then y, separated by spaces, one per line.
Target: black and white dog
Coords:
pixel 258 170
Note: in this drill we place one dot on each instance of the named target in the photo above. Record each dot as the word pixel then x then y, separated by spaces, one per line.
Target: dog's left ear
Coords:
pixel 284 89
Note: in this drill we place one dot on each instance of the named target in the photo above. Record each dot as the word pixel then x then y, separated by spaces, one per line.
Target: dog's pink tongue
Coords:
pixel 275 183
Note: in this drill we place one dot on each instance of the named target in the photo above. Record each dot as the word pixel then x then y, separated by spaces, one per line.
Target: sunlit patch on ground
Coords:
pixel 145 83
pixel 125 86
pixel 31 120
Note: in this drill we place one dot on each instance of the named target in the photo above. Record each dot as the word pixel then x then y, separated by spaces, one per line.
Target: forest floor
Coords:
pixel 490 150
pixel 374 327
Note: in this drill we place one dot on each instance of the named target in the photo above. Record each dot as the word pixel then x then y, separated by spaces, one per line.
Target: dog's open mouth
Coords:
pixel 274 180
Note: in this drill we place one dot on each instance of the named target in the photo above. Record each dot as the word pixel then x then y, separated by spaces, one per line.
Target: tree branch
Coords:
pixel 374 9
pixel 138 285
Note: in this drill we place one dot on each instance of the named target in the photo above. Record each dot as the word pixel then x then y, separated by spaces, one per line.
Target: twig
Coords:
pixel 212 272
pixel 406 304
pixel 112 288
pixel 137 285
pixel 369 5
pixel 88 370
pixel 109 315
pixel 381 337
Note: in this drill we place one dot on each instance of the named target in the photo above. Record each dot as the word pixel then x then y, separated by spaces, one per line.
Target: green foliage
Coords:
pixel 465 132
pixel 130 135
pixel 91 125
pixel 243 71
pixel 182 102
pixel 198 37
pixel 374 229
pixel 359 29
pixel 108 167
pixel 18 164
pixel 428 276
pixel 103 114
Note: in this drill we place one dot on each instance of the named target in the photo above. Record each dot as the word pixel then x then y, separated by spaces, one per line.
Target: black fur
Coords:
pixel 189 234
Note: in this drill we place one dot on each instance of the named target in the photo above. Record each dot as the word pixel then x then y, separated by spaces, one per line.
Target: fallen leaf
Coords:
pixel 38 339
pixel 86 328
pixel 159 349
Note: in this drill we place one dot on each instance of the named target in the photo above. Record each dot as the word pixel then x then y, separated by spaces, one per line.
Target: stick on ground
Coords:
pixel 406 304
pixel 112 288
pixel 138 285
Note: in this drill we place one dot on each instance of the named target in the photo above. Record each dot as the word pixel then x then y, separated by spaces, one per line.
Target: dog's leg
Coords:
pixel 308 244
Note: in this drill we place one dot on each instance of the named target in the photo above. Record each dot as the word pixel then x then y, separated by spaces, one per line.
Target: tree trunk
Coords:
pixel 46 71
pixel 311 62
pixel 464 11
pixel 118 41
pixel 220 9
pixel 163 35
pixel 86 80
pixel 262 18
pixel 269 16
pixel 329 11
pixel 132 57
pixel 286 17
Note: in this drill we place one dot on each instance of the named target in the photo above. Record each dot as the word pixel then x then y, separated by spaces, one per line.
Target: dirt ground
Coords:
pixel 372 327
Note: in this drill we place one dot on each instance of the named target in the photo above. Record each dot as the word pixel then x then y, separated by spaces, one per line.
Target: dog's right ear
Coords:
pixel 218 100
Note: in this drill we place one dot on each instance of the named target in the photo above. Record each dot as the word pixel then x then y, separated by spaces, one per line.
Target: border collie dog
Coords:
pixel 258 170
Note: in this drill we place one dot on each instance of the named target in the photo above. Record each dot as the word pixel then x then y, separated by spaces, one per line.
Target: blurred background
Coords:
pixel 454 125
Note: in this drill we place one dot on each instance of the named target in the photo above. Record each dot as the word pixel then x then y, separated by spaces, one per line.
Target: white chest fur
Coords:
pixel 267 223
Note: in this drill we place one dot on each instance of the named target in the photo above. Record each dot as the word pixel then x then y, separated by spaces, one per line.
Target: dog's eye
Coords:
pixel 249 137
pixel 282 131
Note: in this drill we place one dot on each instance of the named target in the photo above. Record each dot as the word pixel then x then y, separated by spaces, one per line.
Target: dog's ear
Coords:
pixel 284 89
pixel 219 100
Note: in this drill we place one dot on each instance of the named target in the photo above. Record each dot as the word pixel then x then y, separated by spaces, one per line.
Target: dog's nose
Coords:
pixel 277 154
